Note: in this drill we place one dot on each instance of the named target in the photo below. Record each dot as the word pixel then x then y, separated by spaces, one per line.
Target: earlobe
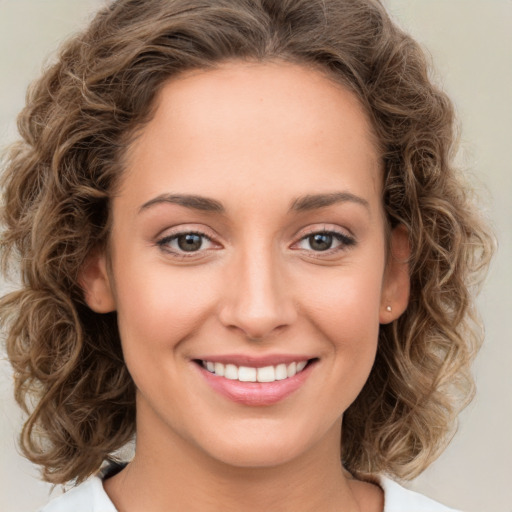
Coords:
pixel 397 283
pixel 96 283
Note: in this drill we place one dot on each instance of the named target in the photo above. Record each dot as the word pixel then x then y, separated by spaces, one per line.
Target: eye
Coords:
pixel 320 241
pixel 323 241
pixel 186 242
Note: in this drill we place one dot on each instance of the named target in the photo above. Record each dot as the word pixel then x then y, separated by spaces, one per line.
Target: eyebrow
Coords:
pixel 300 204
pixel 194 202
pixel 316 201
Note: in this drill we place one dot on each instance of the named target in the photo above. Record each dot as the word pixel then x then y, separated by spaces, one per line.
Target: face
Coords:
pixel 248 262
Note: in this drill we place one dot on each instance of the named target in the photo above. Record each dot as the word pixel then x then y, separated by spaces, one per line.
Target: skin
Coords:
pixel 254 138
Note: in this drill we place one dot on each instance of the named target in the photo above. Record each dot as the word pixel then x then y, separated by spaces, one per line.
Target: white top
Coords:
pixel 91 497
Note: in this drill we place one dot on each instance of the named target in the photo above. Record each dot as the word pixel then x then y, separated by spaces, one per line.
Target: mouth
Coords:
pixel 255 383
pixel 270 373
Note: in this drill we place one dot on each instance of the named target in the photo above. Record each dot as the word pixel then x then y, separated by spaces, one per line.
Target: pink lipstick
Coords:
pixel 254 381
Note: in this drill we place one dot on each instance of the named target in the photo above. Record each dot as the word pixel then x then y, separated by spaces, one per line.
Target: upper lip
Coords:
pixel 255 361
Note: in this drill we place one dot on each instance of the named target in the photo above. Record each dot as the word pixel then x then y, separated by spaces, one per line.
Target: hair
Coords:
pixel 79 119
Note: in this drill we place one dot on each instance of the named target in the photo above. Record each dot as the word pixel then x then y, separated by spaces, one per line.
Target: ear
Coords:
pixel 96 283
pixel 396 284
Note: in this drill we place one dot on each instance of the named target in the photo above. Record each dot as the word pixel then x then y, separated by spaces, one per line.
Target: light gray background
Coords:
pixel 471 44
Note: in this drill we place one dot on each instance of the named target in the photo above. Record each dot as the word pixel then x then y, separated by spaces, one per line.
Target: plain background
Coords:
pixel 470 42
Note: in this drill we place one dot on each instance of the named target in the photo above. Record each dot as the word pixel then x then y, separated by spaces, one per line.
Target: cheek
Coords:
pixel 159 307
pixel 347 306
pixel 346 313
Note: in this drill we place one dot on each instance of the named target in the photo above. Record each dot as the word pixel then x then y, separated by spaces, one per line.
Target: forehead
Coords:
pixel 244 124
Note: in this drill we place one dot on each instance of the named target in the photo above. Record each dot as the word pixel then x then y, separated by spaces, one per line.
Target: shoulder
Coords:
pixel 89 496
pixel 400 499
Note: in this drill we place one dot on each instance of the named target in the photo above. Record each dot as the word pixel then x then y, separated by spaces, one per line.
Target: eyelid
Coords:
pixel 173 233
pixel 324 228
pixel 344 236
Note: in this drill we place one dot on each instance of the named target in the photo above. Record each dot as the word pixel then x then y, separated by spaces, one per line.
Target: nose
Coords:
pixel 257 299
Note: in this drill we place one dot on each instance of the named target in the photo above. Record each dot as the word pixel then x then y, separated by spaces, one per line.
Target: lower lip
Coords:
pixel 256 393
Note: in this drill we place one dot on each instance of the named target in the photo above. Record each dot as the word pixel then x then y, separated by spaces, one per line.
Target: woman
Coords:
pixel 240 237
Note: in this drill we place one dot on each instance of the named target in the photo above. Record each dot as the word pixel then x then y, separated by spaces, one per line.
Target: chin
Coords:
pixel 255 455
pixel 259 448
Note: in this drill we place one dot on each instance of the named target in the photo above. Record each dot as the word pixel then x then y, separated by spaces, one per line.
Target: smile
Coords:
pixel 251 374
pixel 256 382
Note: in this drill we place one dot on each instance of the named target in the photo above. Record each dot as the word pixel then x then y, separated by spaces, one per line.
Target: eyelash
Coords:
pixel 345 241
pixel 163 243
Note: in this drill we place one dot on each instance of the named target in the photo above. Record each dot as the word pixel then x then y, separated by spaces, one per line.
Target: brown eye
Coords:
pixel 320 241
pixel 186 242
pixel 189 242
pixel 323 241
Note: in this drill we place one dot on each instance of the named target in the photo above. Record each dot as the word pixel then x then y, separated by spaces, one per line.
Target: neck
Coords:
pixel 169 473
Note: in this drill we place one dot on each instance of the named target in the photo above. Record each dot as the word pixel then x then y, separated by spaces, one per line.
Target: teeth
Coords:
pixel 266 374
pixel 219 369
pixel 301 366
pixel 281 372
pixel 249 374
pixel 231 372
pixel 246 374
pixel 291 370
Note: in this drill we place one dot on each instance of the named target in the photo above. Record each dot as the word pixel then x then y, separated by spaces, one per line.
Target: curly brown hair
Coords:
pixel 80 117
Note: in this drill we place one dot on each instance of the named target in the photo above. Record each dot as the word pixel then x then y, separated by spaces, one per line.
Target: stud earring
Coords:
pixel 388 308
